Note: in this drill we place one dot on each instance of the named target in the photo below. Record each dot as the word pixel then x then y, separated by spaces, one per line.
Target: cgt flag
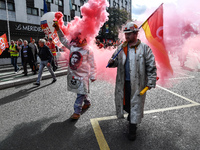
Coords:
pixel 3 43
pixel 153 28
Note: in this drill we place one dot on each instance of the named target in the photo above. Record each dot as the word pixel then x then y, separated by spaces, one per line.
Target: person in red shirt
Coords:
pixel 52 48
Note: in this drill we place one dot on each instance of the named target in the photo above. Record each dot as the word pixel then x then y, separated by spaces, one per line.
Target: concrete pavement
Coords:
pixel 9 79
pixel 37 118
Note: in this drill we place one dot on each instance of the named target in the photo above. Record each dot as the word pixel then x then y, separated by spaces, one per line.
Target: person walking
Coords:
pixel 81 69
pixel 34 50
pixel 52 48
pixel 14 54
pixel 27 57
pixel 46 58
pixel 136 69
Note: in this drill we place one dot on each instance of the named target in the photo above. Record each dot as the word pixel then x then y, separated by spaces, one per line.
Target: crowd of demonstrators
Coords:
pixel 29 53
pixel 107 44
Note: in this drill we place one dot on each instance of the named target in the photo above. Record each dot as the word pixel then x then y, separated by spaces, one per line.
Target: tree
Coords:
pixel 117 17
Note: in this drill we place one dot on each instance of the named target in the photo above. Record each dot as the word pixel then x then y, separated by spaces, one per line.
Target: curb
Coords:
pixel 25 80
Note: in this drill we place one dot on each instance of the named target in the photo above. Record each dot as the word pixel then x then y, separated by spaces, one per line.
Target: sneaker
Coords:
pixel 54 80
pixel 75 116
pixel 18 69
pixel 86 106
pixel 16 72
pixel 36 83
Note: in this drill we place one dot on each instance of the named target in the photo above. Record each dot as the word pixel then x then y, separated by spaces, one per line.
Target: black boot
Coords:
pixel 132 132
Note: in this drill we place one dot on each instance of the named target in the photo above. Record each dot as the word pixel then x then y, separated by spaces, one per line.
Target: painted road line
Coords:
pixel 103 145
pixel 181 78
pixel 178 95
pixel 99 134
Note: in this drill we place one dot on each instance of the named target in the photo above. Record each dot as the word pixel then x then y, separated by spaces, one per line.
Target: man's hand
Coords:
pixel 56 25
pixel 111 61
pixel 48 64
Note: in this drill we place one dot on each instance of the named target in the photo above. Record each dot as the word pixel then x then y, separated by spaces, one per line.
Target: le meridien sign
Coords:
pixel 22 27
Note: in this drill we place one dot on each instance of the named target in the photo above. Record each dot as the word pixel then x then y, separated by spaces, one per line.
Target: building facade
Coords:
pixel 24 15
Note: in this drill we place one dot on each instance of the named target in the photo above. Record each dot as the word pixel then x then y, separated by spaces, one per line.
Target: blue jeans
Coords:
pixel 79 101
pixel 14 62
pixel 42 65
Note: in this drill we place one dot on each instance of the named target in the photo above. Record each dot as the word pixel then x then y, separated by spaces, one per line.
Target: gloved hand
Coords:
pixel 56 25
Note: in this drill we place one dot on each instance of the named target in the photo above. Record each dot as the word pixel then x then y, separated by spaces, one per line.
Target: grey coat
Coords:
pixel 142 74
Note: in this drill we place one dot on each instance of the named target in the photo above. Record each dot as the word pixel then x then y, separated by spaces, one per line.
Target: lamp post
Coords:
pixel 8 22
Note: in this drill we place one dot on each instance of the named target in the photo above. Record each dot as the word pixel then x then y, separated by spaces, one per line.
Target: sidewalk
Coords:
pixel 8 78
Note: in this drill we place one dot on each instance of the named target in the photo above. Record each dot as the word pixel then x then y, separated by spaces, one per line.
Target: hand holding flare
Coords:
pixel 56 25
pixel 146 88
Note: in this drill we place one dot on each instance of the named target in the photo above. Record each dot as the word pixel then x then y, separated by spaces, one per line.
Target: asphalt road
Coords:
pixel 37 118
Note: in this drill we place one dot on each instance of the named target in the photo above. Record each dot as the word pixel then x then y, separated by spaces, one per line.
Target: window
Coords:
pixel 69 19
pixel 74 7
pixel 50 1
pixel 79 9
pixel 60 3
pixel 65 18
pixel 2 5
pixel 56 2
pixel 10 6
pixel 32 11
pixel 28 10
pixel 41 12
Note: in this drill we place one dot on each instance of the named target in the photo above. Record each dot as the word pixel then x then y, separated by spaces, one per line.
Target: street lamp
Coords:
pixel 8 21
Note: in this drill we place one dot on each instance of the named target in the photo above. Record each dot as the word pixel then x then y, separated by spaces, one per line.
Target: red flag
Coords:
pixel 153 28
pixel 3 43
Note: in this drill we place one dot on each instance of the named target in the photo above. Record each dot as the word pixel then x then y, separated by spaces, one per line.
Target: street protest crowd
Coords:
pixel 29 52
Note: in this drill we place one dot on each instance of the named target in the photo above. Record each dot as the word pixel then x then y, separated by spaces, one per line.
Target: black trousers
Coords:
pixel 25 61
pixel 127 96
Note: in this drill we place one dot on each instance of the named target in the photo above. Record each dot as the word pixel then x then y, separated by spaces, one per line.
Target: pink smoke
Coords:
pixel 94 15
pixel 181 35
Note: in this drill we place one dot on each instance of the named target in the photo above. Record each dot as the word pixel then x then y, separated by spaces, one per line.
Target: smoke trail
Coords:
pixel 181 33
pixel 94 15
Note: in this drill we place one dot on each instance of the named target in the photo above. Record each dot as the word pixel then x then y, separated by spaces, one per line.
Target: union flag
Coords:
pixel 153 28
pixel 3 43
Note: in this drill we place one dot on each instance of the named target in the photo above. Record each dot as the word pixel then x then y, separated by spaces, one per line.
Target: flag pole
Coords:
pixel 8 22
pixel 150 16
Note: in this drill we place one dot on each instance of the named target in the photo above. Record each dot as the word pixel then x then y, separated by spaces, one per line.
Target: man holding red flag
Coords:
pixel 136 69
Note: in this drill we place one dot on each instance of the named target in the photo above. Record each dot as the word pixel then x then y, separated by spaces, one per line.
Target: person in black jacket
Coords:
pixel 27 57
pixel 46 58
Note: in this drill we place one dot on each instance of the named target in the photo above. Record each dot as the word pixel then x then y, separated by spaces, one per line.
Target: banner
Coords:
pixel 3 43
pixel 153 28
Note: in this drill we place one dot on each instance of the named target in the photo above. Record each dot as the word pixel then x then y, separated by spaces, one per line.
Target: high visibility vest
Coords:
pixel 13 53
